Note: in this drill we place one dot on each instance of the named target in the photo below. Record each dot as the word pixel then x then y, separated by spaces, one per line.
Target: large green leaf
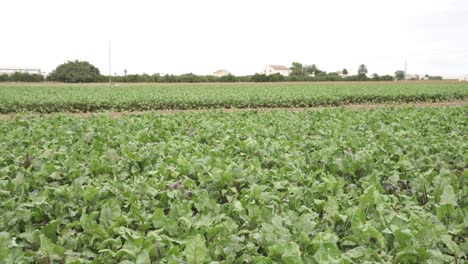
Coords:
pixel 448 196
pixel 4 246
pixel 110 212
pixel 196 251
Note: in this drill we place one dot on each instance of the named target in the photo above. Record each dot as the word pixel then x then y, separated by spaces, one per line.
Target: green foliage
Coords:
pixel 21 77
pixel 313 70
pixel 195 250
pixel 276 77
pixel 434 77
pixel 267 78
pixel 296 69
pixel 376 77
pixel 386 78
pixel 184 78
pixel 4 246
pixel 399 75
pixel 345 71
pixel 188 78
pixel 75 72
pixel 4 78
pixel 87 98
pixel 228 78
pixel 362 71
pixel 323 186
pixel 260 78
pixel 310 74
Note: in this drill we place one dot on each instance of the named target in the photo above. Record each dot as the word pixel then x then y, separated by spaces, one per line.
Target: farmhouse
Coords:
pixel 273 69
pixel 221 73
pixel 463 78
pixel 11 70
pixel 416 77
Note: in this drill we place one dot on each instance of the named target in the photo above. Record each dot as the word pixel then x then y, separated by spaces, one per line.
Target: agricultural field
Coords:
pixel 47 98
pixel 321 186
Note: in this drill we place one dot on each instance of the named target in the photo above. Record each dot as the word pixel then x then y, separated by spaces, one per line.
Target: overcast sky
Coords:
pixel 242 36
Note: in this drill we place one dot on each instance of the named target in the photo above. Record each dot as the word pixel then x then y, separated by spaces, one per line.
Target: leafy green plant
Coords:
pixel 323 186
pixel 91 98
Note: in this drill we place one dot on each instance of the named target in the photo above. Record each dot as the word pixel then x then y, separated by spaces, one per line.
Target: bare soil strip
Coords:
pixel 295 109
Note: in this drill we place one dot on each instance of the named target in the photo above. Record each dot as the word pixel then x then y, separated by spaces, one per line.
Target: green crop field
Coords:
pixel 46 98
pixel 323 186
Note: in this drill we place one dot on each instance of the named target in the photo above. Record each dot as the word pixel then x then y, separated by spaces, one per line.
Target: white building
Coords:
pixel 273 69
pixel 463 78
pixel 221 73
pixel 11 70
pixel 415 77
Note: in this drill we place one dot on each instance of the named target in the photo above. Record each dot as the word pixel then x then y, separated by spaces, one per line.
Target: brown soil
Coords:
pixel 296 109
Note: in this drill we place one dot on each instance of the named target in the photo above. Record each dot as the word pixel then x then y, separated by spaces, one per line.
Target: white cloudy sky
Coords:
pixel 181 36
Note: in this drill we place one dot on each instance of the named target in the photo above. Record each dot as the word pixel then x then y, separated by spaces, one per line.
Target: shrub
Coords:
pixel 227 78
pixel 276 77
pixel 260 78
pixel 21 77
pixel 4 78
pixel 75 72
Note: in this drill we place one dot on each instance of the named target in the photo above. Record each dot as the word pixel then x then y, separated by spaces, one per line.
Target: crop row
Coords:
pixel 328 186
pixel 83 98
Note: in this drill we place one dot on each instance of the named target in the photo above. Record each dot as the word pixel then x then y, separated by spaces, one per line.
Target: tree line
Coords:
pixel 313 73
pixel 83 72
pixel 21 77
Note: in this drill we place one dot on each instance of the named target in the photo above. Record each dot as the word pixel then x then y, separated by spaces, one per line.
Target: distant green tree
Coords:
pixel 386 78
pixel 345 71
pixel 312 69
pixel 26 77
pixel 375 77
pixel 187 78
pixel 297 69
pixel 276 77
pixel 4 78
pixel 362 70
pixel 75 72
pixel 227 78
pixel 400 75
pixel 260 78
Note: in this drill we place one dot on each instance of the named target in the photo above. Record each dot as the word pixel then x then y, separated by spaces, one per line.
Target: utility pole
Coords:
pixel 110 72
